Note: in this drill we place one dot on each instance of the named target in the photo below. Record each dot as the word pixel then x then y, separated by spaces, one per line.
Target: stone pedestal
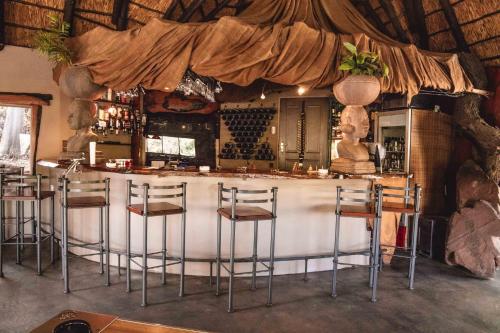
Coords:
pixel 344 165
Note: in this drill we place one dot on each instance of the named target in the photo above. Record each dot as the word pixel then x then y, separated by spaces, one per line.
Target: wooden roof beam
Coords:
pixel 373 15
pixel 170 10
pixel 389 10
pixel 69 15
pixel 211 15
pixel 120 14
pixel 414 12
pixel 2 25
pixel 451 18
pixel 190 10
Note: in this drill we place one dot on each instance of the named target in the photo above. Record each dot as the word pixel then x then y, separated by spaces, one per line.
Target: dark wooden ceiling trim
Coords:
pixel 389 10
pixel 2 25
pixel 22 26
pixel 93 21
pixel 170 10
pixel 69 15
pixel 451 18
pixel 22 2
pixel 190 10
pixel 149 9
pixel 432 12
pixel 211 15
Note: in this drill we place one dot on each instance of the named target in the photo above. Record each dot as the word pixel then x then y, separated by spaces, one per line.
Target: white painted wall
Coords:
pixel 25 70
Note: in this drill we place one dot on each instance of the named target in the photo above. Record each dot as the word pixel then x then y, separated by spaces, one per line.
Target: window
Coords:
pixel 171 145
pixel 15 136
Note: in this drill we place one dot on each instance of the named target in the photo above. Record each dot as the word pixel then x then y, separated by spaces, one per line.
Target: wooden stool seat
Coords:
pixel 246 213
pixel 156 209
pixel 397 207
pixel 86 202
pixel 366 211
pixel 28 195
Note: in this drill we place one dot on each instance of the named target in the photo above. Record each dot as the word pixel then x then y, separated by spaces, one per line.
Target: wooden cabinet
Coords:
pixel 304 127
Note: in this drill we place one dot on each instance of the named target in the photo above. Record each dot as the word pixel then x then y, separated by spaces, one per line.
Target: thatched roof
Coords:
pixel 436 25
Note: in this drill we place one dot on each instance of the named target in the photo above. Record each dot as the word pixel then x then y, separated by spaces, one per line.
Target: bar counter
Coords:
pixel 304 229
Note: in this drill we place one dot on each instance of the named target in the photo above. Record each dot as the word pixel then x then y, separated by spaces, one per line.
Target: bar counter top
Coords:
pixel 222 173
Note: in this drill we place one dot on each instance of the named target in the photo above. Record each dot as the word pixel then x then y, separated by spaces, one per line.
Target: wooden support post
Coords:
pixel 389 10
pixel 451 18
pixel 2 24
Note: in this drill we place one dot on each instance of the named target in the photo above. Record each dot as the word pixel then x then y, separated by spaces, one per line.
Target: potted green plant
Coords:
pixel 75 81
pixel 362 86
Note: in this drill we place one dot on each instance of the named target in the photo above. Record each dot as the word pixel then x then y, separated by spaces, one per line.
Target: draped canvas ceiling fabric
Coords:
pixel 290 42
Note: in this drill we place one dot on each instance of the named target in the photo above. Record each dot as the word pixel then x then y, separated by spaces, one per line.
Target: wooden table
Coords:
pixel 101 323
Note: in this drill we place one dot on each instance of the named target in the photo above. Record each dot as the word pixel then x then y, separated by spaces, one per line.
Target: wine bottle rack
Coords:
pixel 247 127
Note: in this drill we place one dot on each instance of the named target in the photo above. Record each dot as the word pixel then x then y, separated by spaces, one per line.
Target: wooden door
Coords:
pixel 314 128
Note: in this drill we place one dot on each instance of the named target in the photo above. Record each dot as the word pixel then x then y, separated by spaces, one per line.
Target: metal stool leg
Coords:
pixel 231 265
pixel 271 262
pixel 375 259
pixel 128 251
pixel 106 243
pixel 145 262
pixel 33 221
pixel 335 256
pixel 413 251
pixel 21 226
pixel 18 234
pixel 2 216
pixel 52 231
pixel 164 251
pixel 183 253
pixel 38 217
pixel 218 259
pixel 65 250
pixel 254 255
pixel 371 257
pixel 2 231
pixel 101 243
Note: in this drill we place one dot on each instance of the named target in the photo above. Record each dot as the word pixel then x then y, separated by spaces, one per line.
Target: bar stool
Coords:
pixel 19 189
pixel 242 213
pixel 410 206
pixel 148 209
pixel 371 209
pixel 67 186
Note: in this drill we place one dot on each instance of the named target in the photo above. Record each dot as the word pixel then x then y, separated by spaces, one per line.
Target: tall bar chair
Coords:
pixel 409 204
pixel 245 213
pixel 348 205
pixel 148 209
pixel 20 188
pixel 69 201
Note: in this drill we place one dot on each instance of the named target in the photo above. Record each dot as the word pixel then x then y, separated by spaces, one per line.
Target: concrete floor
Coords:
pixel 445 300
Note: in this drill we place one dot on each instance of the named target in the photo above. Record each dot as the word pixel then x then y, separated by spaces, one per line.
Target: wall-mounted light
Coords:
pixel 301 90
pixel 262 96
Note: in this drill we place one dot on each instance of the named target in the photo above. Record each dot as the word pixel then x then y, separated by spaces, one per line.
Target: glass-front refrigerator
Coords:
pixel 392 130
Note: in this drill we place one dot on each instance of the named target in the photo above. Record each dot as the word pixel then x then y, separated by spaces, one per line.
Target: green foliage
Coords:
pixel 363 63
pixel 51 41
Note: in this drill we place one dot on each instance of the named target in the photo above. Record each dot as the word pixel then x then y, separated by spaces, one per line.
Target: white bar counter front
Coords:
pixel 304 227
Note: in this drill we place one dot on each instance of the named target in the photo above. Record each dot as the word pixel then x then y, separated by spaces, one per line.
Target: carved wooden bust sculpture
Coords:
pixel 353 155
pixel 80 119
